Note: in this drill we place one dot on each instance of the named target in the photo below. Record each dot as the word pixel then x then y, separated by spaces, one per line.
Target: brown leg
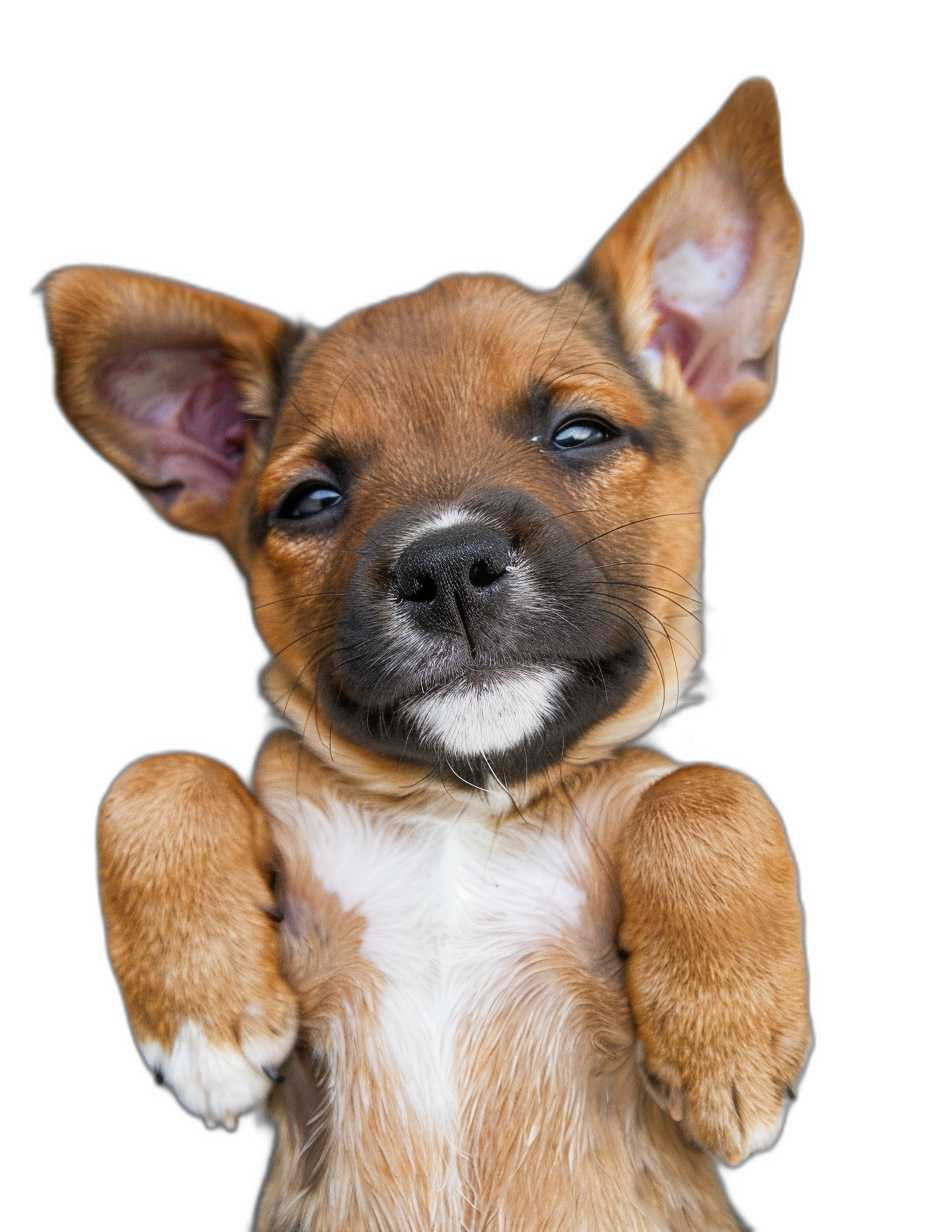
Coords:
pixel 184 862
pixel 716 974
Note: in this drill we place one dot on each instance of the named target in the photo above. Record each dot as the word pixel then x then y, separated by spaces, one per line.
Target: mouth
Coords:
pixel 487 711
pixel 506 721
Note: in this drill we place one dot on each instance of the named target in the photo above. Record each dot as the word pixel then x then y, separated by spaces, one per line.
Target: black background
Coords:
pixel 137 640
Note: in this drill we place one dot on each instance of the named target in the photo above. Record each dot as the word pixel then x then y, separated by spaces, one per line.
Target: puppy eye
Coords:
pixel 306 501
pixel 579 433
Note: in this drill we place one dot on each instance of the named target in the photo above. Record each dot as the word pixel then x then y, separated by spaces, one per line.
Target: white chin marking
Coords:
pixel 215 1081
pixel 470 719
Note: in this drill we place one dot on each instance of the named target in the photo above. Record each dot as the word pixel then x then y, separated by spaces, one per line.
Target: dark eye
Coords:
pixel 307 500
pixel 579 433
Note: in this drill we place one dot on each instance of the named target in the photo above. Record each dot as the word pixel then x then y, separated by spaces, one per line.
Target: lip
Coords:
pixel 488 712
pixel 479 678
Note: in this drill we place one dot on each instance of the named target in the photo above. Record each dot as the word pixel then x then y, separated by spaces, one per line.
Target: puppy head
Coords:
pixel 469 517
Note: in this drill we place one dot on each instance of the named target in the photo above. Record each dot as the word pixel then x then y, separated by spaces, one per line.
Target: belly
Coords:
pixel 467 1056
pixel 450 976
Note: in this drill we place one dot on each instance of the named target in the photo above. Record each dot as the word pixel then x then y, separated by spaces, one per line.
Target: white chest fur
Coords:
pixel 455 914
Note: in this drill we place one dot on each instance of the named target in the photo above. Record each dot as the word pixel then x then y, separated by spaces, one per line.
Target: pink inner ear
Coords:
pixel 695 290
pixel 187 410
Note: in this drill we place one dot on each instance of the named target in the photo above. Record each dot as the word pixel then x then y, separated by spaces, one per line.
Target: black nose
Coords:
pixel 450 580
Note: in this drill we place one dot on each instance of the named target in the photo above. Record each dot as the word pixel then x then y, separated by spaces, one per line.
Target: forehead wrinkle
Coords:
pixel 583 360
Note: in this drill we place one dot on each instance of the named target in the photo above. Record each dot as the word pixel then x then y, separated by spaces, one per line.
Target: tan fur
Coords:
pixel 184 830
pixel 710 930
pixel 668 1019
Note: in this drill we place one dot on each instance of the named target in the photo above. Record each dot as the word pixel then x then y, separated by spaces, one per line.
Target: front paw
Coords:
pixel 192 931
pixel 218 1023
pixel 715 971
pixel 220 1079
pixel 725 1068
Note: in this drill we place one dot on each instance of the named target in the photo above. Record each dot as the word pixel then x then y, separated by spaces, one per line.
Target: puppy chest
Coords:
pixel 435 951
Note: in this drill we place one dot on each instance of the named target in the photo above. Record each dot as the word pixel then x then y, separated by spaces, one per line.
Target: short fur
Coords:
pixel 493 968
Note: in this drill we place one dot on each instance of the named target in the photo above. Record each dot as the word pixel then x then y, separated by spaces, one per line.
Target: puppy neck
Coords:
pixel 413 785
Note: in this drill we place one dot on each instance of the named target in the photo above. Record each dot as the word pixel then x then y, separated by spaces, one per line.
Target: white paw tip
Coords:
pixel 762 1136
pixel 217 1082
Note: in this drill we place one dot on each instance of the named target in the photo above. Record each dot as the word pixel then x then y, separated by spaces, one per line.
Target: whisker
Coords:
pixel 592 363
pixel 657 619
pixel 583 308
pixel 662 594
pixel 301 638
pixel 503 786
pixel 545 334
pixel 311 594
pixel 466 782
pixel 654 517
pixel 653 564
pixel 335 399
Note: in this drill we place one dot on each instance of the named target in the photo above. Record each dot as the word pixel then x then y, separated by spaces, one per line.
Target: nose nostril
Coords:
pixel 420 590
pixel 483 573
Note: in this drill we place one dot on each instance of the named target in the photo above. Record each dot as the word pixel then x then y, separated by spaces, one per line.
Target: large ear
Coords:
pixel 700 268
pixel 167 382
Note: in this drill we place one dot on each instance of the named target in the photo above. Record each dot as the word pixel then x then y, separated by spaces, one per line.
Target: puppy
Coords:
pixel 490 966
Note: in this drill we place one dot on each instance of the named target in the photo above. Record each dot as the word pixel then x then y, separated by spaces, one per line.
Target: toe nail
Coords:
pixel 230 1121
pixel 209 1122
pixel 159 1077
pixel 790 1093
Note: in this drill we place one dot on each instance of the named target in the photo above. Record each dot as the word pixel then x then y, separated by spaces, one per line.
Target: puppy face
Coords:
pixel 470 517
pixel 476 529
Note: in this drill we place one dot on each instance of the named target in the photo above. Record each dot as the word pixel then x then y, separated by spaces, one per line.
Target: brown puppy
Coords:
pixel 512 975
